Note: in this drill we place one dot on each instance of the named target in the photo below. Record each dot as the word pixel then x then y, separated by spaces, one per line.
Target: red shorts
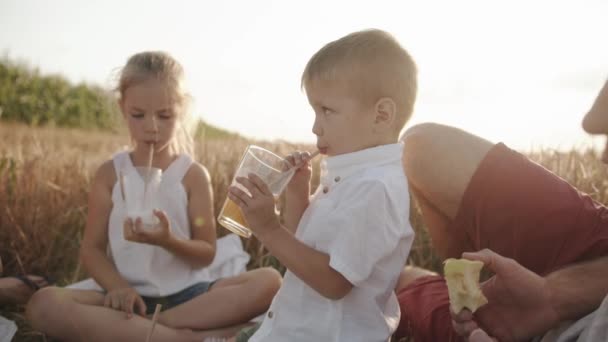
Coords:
pixel 520 210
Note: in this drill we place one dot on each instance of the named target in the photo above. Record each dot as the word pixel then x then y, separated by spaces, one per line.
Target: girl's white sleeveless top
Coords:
pixel 152 270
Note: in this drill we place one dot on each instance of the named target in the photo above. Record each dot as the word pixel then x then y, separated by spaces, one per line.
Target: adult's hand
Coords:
pixel 519 306
pixel 479 335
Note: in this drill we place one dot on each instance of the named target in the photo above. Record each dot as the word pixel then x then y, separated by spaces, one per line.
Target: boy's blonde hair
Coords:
pixel 373 64
pixel 161 66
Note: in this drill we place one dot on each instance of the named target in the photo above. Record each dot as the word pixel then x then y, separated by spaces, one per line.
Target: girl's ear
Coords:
pixel 385 111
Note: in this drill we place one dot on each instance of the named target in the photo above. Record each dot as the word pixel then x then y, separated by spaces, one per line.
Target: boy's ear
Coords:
pixel 385 111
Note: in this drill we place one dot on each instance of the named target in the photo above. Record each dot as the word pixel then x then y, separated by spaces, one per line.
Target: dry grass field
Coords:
pixel 45 175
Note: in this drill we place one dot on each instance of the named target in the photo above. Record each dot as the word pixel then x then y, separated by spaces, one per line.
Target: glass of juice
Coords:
pixel 271 168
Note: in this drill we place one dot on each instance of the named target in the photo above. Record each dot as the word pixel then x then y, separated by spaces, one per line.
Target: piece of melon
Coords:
pixel 462 277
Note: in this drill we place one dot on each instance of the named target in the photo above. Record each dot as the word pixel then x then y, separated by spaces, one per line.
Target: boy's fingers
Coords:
pixel 290 160
pixel 246 183
pixel 259 184
pixel 298 157
pixel 306 155
pixel 235 195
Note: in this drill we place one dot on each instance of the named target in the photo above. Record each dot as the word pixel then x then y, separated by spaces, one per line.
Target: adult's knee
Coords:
pixel 422 146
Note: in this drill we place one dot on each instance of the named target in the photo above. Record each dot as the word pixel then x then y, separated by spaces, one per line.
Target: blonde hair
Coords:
pixel 161 66
pixel 373 64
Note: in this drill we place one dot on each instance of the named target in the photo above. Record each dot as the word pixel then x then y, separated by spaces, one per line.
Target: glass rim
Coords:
pixel 255 147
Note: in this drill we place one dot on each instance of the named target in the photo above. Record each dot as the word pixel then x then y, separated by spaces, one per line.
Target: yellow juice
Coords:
pixel 233 212
pixel 232 218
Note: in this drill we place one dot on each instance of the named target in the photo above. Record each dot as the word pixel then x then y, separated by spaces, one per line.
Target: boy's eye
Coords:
pixel 326 110
pixel 137 115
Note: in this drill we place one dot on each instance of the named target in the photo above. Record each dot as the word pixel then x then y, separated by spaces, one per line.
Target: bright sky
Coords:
pixel 523 72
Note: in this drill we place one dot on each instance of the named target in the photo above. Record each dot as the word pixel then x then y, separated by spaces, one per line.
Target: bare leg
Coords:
pixel 15 291
pixel 440 162
pixel 75 315
pixel 225 333
pixel 230 301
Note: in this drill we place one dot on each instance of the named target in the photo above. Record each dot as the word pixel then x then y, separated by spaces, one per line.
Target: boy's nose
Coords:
pixel 596 121
pixel 317 129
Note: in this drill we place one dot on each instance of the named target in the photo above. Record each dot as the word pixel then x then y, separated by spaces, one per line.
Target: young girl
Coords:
pixel 140 268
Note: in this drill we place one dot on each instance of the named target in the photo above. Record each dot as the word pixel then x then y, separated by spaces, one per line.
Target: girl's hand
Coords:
pixel 259 207
pixel 300 182
pixel 125 299
pixel 159 235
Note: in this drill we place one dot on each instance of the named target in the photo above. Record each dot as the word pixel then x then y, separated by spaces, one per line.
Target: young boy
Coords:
pixel 345 246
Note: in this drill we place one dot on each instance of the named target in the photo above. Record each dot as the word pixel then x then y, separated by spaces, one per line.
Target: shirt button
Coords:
pixel 270 314
pixel 325 189
pixel 337 179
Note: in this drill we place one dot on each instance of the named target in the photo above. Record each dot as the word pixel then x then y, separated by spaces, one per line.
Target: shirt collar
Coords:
pixel 336 168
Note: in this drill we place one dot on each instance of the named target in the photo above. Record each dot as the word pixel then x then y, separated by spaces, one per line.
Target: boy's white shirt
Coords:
pixel 359 215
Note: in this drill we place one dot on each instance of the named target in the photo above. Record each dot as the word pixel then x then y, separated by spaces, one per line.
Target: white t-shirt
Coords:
pixel 359 215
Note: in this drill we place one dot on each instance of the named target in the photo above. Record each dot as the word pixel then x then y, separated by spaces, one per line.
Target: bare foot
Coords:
pixel 16 291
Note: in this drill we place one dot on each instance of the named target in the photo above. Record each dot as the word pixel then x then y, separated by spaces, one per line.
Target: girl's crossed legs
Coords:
pixel 78 315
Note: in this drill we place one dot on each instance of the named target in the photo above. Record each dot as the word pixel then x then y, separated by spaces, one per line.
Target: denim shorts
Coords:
pixel 178 298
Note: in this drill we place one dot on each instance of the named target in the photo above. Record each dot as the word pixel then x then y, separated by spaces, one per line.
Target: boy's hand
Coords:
pixel 259 207
pixel 125 299
pixel 159 235
pixel 300 182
